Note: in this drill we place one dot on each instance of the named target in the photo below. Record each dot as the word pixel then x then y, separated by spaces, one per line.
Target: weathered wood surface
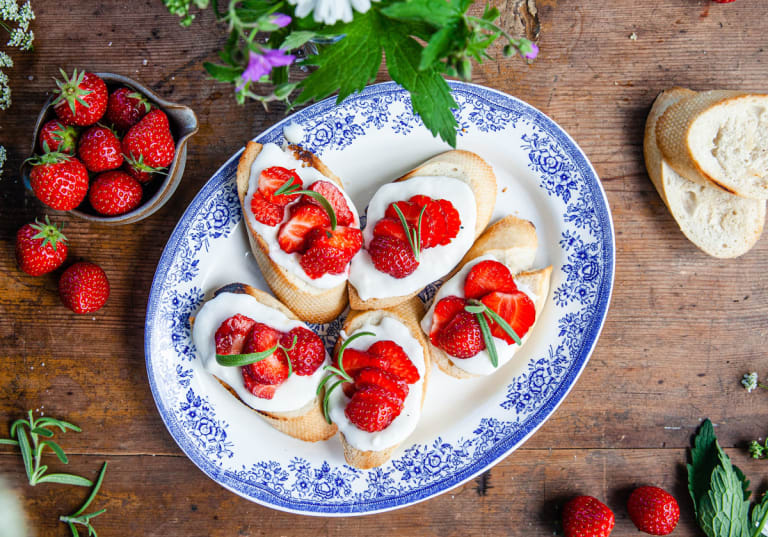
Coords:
pixel 681 331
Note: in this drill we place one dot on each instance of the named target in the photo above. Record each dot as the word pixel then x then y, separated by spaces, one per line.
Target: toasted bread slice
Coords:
pixel 718 137
pixel 513 242
pixel 310 303
pixel 458 164
pixel 408 313
pixel 720 224
pixel 306 423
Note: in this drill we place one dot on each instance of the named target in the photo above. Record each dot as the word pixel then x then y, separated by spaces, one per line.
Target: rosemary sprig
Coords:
pixel 414 235
pixel 481 310
pixel 338 372
pixel 85 520
pixel 240 360
pixel 289 188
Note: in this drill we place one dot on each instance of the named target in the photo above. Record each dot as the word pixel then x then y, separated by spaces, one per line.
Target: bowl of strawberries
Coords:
pixel 107 149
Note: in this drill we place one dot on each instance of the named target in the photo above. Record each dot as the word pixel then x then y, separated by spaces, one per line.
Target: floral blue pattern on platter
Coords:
pixel 556 174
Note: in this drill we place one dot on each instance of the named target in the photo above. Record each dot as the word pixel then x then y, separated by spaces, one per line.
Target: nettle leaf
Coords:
pixel 296 39
pixel 723 510
pixel 437 13
pixel 439 45
pixel 703 462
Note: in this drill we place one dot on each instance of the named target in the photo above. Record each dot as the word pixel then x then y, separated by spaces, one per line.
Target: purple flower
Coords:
pixel 281 20
pixel 261 63
pixel 528 50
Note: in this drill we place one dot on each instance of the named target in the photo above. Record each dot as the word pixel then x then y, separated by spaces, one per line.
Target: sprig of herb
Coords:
pixel 85 520
pixel 240 360
pixel 481 310
pixel 290 188
pixel 414 235
pixel 336 372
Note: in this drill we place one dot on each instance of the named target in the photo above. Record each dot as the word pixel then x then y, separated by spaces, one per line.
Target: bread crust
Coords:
pixel 458 164
pixel 306 423
pixel 311 304
pixel 409 313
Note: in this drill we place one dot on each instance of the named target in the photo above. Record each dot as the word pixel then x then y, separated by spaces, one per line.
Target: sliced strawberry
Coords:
pixel 445 311
pixel 372 376
pixel 293 233
pixel 388 227
pixel 515 308
pixel 399 363
pixel 266 212
pixel 392 256
pixel 329 252
pixel 486 277
pixel 452 221
pixel 355 360
pixel 461 337
pixel 344 216
pixel 373 408
pixel 263 391
pixel 273 369
pixel 231 334
pixel 432 222
pixel 307 354
pixel 271 179
pixel 410 211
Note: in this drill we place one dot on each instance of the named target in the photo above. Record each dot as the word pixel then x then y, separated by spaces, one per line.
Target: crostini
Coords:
pixel 419 227
pixel 302 227
pixel 376 388
pixel 482 315
pixel 259 350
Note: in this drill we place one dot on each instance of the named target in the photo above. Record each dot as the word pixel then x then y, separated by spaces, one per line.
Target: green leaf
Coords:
pixel 490 345
pixel 239 360
pixel 437 13
pixel 42 432
pixel 760 516
pixel 703 462
pixel 63 425
pixel 296 39
pixel 504 325
pixel 26 453
pixel 723 510
pixel 222 72
pixel 439 45
pixel 66 479
pixel 491 13
pixel 9 442
pixel 56 448
pixel 95 490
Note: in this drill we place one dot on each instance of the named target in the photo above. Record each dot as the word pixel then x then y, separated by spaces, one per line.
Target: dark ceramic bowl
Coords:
pixel 183 124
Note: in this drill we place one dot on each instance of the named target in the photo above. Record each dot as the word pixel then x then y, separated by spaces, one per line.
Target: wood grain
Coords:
pixel 681 331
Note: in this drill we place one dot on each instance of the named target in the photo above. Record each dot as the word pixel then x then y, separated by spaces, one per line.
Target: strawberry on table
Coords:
pixel 304 218
pixel 100 149
pixel 125 107
pixel 516 308
pixel 115 192
pixel 82 98
pixel 40 248
pixel 55 136
pixel 461 337
pixel 585 516
pixel 148 146
pixel 307 354
pixel 488 276
pixel 58 180
pixel 392 256
pixel 84 287
pixel 653 510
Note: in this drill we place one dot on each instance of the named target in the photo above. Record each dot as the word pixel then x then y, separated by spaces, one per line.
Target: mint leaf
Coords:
pixel 703 462
pixel 723 510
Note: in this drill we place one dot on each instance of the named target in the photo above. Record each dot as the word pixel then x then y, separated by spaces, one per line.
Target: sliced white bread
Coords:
pixel 306 423
pixel 512 241
pixel 720 137
pixel 469 168
pixel 408 313
pixel 310 303
pixel 722 225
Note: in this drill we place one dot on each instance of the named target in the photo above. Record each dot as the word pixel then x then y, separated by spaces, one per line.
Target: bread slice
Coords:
pixel 458 164
pixel 720 137
pixel 310 303
pixel 720 224
pixel 306 423
pixel 512 241
pixel 408 313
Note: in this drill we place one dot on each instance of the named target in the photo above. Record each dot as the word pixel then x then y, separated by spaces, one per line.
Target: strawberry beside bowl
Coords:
pixel 183 124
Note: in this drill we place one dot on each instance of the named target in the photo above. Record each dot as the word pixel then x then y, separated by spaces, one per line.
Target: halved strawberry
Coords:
pixel 329 252
pixel 293 233
pixel 271 179
pixel 452 221
pixel 344 216
pixel 373 408
pixel 273 369
pixel 388 227
pixel 392 256
pixel 355 360
pixel 410 211
pixel 488 276
pixel 461 337
pixel 262 391
pixel 307 354
pixel 445 311
pixel 266 212
pixel 231 334
pixel 373 376
pixel 515 308
pixel 399 363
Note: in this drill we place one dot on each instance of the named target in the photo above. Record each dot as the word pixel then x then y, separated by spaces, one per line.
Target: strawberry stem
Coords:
pixel 50 233
pixel 70 90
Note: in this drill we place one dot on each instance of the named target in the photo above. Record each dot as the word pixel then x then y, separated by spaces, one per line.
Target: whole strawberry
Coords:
pixel 148 145
pixel 585 516
pixel 58 180
pixel 653 510
pixel 139 172
pixel 82 98
pixel 126 107
pixel 100 149
pixel 84 287
pixel 55 136
pixel 40 248
pixel 114 193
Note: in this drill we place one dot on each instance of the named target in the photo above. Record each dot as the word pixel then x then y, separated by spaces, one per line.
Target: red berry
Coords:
pixel 304 217
pixel 99 149
pixel 136 169
pixel 307 354
pixel 461 337
pixel 273 178
pixel 452 221
pixel 585 516
pixel 59 181
pixel 55 136
pixel 266 212
pixel 272 370
pixel 432 221
pixel 723 1
pixel 392 256
pixel 40 248
pixel 388 227
pixel 125 107
pixel 373 408
pixel 373 376
pixel 653 510
pixel 114 193
pixel 84 287
pixel 149 145
pixel 329 191
pixel 329 252
pixel 444 312
pixel 398 361
pixel 515 308
pixel 488 276
pixel 231 334
pixel 82 98
pixel 354 360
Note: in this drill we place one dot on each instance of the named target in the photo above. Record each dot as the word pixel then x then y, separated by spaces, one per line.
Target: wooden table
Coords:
pixel 681 331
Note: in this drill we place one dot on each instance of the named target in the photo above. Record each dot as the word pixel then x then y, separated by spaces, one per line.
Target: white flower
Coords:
pixel 3 156
pixel 749 381
pixel 5 92
pixel 330 11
